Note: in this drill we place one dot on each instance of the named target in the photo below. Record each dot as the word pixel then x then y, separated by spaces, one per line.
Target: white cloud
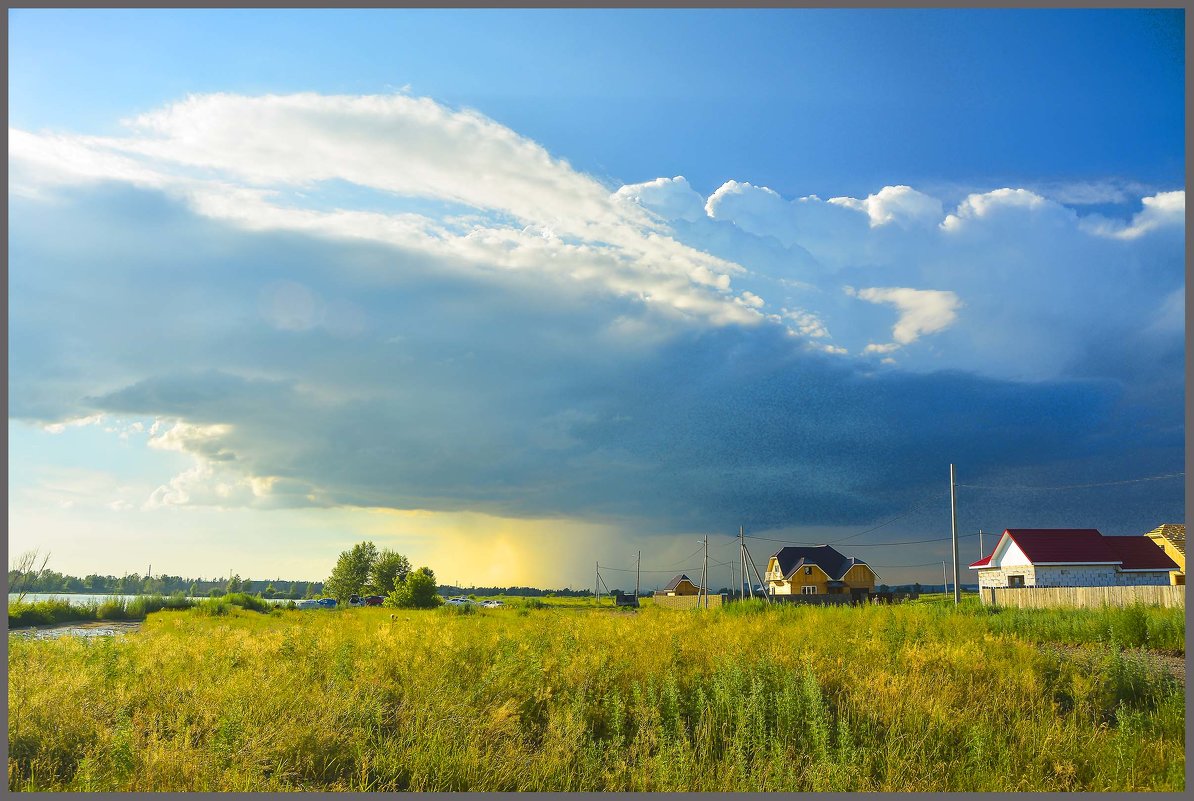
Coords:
pixel 922 311
pixel 239 159
pixel 74 422
pixel 1020 205
pixel 191 438
pixel 1163 210
pixel 901 205
pixel 670 198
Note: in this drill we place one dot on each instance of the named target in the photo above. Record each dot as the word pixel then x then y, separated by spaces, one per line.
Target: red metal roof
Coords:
pixel 1085 546
pixel 1140 553
pixel 1070 545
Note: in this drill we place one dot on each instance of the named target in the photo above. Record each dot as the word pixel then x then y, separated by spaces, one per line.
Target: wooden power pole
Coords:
pixel 705 571
pixel 953 523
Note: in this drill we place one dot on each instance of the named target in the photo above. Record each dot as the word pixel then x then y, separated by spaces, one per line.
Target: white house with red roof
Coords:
pixel 1072 557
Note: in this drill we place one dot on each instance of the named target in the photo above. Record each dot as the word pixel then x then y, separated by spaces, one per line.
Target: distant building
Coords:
pixel 817 570
pixel 681 585
pixel 1079 557
pixel 1172 539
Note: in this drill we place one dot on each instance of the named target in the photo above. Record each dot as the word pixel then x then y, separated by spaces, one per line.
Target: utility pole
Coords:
pixel 743 588
pixel 597 584
pixel 953 523
pixel 638 569
pixel 980 543
pixel 747 559
pixel 944 576
pixel 705 570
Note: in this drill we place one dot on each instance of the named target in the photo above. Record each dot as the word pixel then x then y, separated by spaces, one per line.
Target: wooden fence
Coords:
pixel 685 601
pixel 1044 597
pixel 813 600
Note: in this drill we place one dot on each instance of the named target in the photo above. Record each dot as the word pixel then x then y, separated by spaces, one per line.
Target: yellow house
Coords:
pixel 817 570
pixel 681 585
pixel 1172 539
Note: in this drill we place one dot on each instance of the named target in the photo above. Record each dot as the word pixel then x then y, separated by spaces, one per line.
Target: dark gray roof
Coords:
pixel 671 585
pixel 794 557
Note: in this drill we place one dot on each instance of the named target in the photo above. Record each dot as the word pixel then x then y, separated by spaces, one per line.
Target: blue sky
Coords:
pixel 547 287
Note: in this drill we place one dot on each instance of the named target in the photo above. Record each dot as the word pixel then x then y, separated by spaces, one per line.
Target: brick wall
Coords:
pixel 1070 576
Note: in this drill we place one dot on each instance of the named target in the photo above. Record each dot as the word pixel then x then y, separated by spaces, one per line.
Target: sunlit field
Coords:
pixel 572 697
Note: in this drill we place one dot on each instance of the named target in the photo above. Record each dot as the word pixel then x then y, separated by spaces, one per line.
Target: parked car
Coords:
pixel 459 601
pixel 356 600
pixel 374 600
pixel 308 603
pixel 492 604
pixel 327 603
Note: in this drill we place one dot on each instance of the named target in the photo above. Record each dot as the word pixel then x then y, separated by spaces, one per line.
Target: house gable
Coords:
pixel 1009 554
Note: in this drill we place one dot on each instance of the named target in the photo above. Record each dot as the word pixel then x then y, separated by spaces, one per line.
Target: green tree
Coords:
pixel 233 583
pixel 389 569
pixel 417 591
pixel 352 571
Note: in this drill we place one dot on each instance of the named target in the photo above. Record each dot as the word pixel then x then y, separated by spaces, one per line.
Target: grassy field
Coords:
pixel 572 697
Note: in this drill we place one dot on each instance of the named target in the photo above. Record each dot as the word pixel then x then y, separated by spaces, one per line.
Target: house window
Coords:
pixel 1015 581
pixel 808 589
pixel 808 571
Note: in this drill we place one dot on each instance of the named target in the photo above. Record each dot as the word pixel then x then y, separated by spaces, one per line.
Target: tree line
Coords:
pixel 46 580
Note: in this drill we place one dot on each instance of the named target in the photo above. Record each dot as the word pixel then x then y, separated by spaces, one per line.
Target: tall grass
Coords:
pixel 785 698
pixel 57 611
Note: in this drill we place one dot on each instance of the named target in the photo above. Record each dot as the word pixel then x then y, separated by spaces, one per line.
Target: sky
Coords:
pixel 518 292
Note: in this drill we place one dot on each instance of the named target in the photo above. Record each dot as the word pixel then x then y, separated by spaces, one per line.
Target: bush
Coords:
pixel 416 591
pixel 47 613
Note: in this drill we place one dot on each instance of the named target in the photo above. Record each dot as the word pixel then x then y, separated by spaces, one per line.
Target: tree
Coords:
pixel 234 583
pixel 27 571
pixel 352 571
pixel 417 591
pixel 390 568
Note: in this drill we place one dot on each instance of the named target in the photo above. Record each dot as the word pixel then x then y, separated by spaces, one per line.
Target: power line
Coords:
pixel 916 508
pixel 922 564
pixel 865 544
pixel 1073 486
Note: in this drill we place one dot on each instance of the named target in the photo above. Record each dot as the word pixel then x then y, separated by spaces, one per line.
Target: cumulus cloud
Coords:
pixel 671 198
pixel 1163 210
pixel 901 205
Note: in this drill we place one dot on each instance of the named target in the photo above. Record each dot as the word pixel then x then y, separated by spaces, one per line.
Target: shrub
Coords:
pixel 47 613
pixel 416 591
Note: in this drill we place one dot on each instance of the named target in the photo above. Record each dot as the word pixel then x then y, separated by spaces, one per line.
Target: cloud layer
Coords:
pixel 384 302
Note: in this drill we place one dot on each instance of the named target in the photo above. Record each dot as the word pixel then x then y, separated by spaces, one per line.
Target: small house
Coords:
pixel 681 585
pixel 1080 557
pixel 817 570
pixel 1171 537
